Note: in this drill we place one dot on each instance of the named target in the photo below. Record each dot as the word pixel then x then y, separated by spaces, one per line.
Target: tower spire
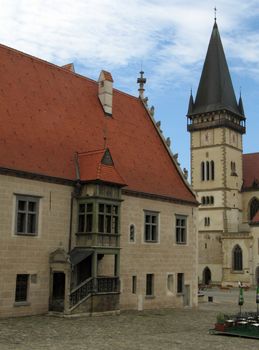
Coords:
pixel 215 91
pixel 215 14
pixel 141 81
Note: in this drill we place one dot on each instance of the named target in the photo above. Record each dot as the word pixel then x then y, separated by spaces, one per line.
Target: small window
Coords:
pixel 108 218
pixel 206 221
pixel 27 209
pixel 134 284
pixel 237 258
pixel 85 217
pixel 180 282
pixel 151 227
pixel 180 227
pixel 132 233
pixel 21 287
pixel 150 284
pixel 202 171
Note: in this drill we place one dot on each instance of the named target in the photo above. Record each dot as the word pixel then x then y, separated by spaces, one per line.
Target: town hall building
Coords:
pixel 96 215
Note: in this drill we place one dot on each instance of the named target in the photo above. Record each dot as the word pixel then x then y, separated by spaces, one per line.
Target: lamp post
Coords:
pixel 241 298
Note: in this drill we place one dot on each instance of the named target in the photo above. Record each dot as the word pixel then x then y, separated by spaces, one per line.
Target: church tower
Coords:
pixel 216 123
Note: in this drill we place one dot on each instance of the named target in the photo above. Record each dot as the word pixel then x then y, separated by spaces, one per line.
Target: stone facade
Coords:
pixel 46 253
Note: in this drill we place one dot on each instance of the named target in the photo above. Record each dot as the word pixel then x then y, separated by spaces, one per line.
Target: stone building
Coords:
pixel 96 215
pixel 225 179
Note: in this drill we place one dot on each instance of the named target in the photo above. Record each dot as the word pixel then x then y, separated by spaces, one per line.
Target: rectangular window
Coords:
pixel 151 226
pixel 21 287
pixel 108 218
pixel 150 284
pixel 180 282
pixel 85 217
pixel 181 229
pixel 27 212
pixel 134 284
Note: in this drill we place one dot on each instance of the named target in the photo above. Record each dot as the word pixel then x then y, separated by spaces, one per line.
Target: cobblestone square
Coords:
pixel 160 329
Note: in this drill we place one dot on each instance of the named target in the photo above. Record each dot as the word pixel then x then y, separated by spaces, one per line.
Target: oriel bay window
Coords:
pixel 108 218
pixel 85 217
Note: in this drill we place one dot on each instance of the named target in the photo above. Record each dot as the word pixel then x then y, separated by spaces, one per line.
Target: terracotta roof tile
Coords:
pixel 250 170
pixel 91 168
pixel 48 114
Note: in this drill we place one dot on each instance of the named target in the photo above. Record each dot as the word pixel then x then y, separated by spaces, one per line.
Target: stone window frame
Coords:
pixel 150 285
pixel 132 233
pixel 22 289
pixel 207 221
pixel 134 284
pixel 181 237
pixel 26 213
pixel 180 283
pixel 207 170
pixel 237 258
pixel 151 229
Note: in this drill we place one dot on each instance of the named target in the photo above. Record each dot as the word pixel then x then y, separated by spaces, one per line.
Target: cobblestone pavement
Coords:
pixel 153 330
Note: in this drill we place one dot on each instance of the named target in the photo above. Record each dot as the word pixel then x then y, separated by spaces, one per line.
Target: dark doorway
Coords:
pixel 257 276
pixel 58 292
pixel 206 276
pixel 84 269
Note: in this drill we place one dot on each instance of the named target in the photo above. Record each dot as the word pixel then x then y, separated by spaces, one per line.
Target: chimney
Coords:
pixel 105 88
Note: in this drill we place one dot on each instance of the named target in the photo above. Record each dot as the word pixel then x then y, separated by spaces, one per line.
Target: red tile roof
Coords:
pixel 250 170
pixel 91 168
pixel 49 113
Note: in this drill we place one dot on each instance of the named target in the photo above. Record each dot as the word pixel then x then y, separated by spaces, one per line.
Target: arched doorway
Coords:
pixel 206 276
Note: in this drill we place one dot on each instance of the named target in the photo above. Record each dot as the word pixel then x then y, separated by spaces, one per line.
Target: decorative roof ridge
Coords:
pixel 170 153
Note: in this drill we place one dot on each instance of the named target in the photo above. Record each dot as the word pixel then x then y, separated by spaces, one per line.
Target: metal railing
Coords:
pixel 108 284
pixel 81 291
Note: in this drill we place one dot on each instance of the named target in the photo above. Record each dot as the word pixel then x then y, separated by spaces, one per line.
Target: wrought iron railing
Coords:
pixel 108 284
pixel 81 291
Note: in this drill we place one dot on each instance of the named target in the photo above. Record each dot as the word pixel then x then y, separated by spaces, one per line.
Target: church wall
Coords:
pixel 229 275
pixel 163 259
pixel 255 266
pixel 22 254
pixel 246 199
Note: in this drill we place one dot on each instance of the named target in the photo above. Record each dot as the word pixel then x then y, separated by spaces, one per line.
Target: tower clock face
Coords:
pixel 233 138
pixel 206 137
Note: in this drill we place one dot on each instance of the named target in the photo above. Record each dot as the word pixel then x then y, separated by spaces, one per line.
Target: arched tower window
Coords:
pixel 254 207
pixel 207 170
pixel 202 171
pixel 237 258
pixel 212 169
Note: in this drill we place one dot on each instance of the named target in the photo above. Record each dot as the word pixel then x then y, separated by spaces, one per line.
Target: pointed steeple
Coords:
pixel 191 104
pixel 240 106
pixel 215 91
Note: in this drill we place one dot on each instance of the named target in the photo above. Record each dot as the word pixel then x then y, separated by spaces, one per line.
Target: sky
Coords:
pixel 168 39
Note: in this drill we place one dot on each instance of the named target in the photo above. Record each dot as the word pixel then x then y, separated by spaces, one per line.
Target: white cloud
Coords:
pixel 169 36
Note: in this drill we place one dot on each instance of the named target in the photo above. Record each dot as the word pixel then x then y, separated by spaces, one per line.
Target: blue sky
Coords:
pixel 169 38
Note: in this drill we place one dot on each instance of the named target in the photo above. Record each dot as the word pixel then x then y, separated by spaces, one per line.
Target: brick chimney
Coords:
pixel 105 91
